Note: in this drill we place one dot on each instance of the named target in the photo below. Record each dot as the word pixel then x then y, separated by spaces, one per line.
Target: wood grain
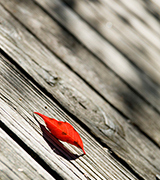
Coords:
pixel 101 48
pixel 106 84
pixel 15 163
pixel 66 88
pixel 107 53
pixel 142 10
pixel 110 18
pixel 19 99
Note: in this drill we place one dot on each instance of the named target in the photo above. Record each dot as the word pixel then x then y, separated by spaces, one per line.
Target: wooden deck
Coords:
pixel 94 64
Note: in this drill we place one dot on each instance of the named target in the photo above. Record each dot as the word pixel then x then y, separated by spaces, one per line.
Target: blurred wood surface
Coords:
pixel 92 63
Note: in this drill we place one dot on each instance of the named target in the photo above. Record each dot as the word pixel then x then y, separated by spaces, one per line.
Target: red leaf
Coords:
pixel 63 131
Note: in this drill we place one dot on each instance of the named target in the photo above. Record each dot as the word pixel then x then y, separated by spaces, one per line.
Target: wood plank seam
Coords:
pixel 127 57
pixel 34 155
pixel 100 34
pixel 71 115
pixel 30 151
pixel 119 111
pixel 117 75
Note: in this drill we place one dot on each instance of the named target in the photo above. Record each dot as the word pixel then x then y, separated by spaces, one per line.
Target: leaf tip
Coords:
pixel 39 114
pixel 83 151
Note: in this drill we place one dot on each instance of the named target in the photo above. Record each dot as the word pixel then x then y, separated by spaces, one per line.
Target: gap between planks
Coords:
pixel 31 96
pixel 146 109
pixel 24 108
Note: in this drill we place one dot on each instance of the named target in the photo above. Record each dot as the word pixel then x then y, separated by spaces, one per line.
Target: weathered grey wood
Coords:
pixel 139 26
pixel 155 2
pixel 29 51
pixel 8 174
pixel 41 81
pixel 37 143
pixel 24 99
pixel 100 47
pixel 140 10
pixel 152 7
pixel 128 41
pixel 18 101
pixel 119 64
pixel 16 163
pixel 115 91
pixel 143 12
pixel 144 86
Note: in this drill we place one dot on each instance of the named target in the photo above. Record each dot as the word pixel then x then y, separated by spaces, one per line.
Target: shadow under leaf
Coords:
pixel 56 145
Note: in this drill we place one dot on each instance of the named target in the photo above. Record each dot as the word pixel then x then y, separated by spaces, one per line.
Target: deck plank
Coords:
pixel 107 84
pixel 19 99
pixel 101 48
pixel 107 53
pixel 129 42
pixel 142 10
pixel 46 70
pixel 134 78
pixel 146 34
pixel 16 163
pixel 38 144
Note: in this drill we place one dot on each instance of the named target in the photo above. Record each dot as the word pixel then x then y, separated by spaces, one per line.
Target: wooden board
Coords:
pixel 108 52
pixel 66 90
pixel 19 99
pixel 106 84
pixel 15 163
pixel 110 17
pixel 145 11
pixel 133 76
